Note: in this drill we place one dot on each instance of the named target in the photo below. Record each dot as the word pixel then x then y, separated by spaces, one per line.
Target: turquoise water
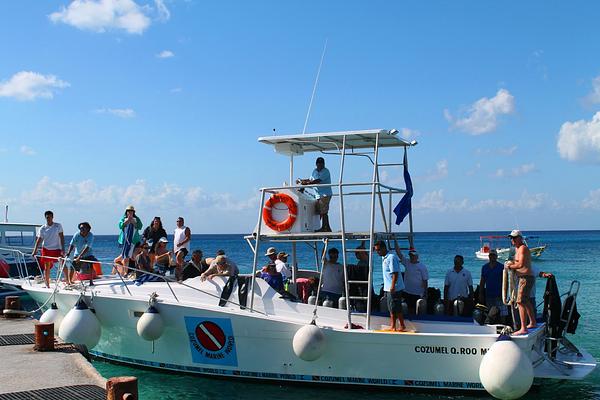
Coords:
pixel 572 255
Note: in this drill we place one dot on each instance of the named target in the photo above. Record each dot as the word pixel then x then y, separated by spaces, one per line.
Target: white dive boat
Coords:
pixel 502 246
pixel 240 327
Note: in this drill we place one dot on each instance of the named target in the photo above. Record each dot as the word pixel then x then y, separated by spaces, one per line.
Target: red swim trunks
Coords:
pixel 49 253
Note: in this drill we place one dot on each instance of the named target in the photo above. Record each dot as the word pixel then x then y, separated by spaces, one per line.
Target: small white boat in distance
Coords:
pixel 502 247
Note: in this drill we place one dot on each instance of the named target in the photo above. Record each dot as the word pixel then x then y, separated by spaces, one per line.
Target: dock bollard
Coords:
pixel 122 388
pixel 12 303
pixel 44 337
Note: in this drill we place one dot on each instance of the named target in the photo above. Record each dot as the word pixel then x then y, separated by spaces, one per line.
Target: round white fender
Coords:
pixel 309 342
pixel 150 326
pixel 80 326
pixel 52 316
pixel 505 370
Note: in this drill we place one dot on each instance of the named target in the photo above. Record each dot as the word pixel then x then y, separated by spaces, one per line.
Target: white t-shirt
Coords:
pixel 333 278
pixel 50 237
pixel 458 283
pixel 179 236
pixel 414 275
pixel 283 268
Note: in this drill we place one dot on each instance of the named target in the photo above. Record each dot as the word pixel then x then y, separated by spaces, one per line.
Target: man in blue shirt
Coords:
pixel 82 242
pixel 321 176
pixel 490 284
pixel 393 284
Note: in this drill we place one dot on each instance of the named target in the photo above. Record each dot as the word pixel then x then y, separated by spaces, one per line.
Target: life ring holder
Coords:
pixel 267 213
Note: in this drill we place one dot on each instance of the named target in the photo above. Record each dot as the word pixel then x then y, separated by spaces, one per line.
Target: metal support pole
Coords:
pixel 374 186
pixel 343 226
pixel 256 248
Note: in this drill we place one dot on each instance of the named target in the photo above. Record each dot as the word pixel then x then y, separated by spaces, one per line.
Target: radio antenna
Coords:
pixel 314 88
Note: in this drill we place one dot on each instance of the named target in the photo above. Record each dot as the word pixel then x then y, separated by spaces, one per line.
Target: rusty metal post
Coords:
pixel 12 303
pixel 122 388
pixel 44 337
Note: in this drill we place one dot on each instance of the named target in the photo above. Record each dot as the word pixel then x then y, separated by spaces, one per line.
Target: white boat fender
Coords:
pixel 80 326
pixel 328 302
pixel 459 307
pixel 505 370
pixel 309 342
pixel 439 308
pixel 52 316
pixel 342 303
pixel 312 299
pixel 421 307
pixel 150 326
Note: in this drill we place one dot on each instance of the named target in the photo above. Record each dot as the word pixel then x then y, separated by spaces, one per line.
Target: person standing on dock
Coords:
pixel 522 265
pixel 52 239
pixel 393 284
pixel 181 245
pixel 321 176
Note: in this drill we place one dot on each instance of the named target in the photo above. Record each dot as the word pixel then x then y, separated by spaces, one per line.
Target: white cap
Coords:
pixel 515 233
pixel 163 240
pixel 270 251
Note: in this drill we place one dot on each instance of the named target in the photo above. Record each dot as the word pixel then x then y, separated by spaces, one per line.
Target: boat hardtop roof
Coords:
pixel 299 144
pixel 17 224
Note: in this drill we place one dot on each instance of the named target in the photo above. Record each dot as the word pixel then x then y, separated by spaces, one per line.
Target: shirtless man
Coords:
pixel 522 266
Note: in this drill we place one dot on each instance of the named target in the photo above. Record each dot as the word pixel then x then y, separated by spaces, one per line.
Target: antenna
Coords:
pixel 314 87
pixel 6 214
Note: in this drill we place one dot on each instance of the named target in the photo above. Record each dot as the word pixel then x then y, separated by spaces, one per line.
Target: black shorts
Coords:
pixel 411 300
pixel 394 302
pixel 184 251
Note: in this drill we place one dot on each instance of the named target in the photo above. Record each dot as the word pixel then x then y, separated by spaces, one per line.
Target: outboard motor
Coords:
pixel 421 307
pixel 459 306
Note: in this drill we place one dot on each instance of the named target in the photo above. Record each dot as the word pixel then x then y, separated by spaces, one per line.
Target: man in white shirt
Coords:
pixel 52 239
pixel 282 265
pixel 458 283
pixel 415 279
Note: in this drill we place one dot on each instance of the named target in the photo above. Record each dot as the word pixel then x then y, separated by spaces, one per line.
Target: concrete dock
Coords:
pixel 27 374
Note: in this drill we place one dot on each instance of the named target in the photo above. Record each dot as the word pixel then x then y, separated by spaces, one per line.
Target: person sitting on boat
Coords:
pixel 52 239
pixel 211 260
pixel 458 284
pixel 142 260
pixel 281 263
pixel 130 225
pixel 332 278
pixel 222 266
pixel 522 266
pixel 321 176
pixel 393 284
pixel 272 277
pixel 196 266
pixel 82 242
pixel 181 245
pixel 416 277
pixel 490 284
pixel 152 234
pixel 163 260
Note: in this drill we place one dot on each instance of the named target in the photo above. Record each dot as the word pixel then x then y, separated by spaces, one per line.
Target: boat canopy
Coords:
pixel 333 141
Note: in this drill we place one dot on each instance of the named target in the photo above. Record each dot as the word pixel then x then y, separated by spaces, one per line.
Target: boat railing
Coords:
pixel 20 259
pixel 124 279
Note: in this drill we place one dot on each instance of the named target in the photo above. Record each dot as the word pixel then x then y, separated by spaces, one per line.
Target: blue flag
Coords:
pixel 403 208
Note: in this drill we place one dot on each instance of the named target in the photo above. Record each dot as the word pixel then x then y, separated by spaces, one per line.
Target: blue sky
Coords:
pixel 159 104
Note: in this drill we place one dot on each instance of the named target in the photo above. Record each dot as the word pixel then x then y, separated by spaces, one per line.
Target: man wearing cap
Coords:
pixel 222 267
pixel 393 284
pixel 522 266
pixel 282 266
pixel 458 283
pixel 415 279
pixel 321 176
pixel 163 258
pixel 490 284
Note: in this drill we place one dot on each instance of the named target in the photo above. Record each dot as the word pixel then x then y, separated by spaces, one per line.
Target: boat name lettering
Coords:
pixel 450 350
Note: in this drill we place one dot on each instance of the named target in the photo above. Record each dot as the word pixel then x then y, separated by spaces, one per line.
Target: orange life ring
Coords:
pixel 267 214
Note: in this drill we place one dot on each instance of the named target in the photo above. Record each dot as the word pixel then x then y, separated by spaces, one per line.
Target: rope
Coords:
pixel 314 318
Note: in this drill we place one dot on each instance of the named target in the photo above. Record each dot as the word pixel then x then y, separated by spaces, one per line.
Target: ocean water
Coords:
pixel 571 255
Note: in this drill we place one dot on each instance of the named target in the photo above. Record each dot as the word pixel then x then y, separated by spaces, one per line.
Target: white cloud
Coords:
pixel 163 12
pixel 435 201
pixel 520 170
pixel 440 172
pixel 592 201
pixel 500 151
pixel 119 112
pixel 409 134
pixel 482 116
pixel 28 151
pixel 580 140
pixel 102 15
pixel 176 90
pixel 163 197
pixel 27 85
pixel 165 54
pixel 594 96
